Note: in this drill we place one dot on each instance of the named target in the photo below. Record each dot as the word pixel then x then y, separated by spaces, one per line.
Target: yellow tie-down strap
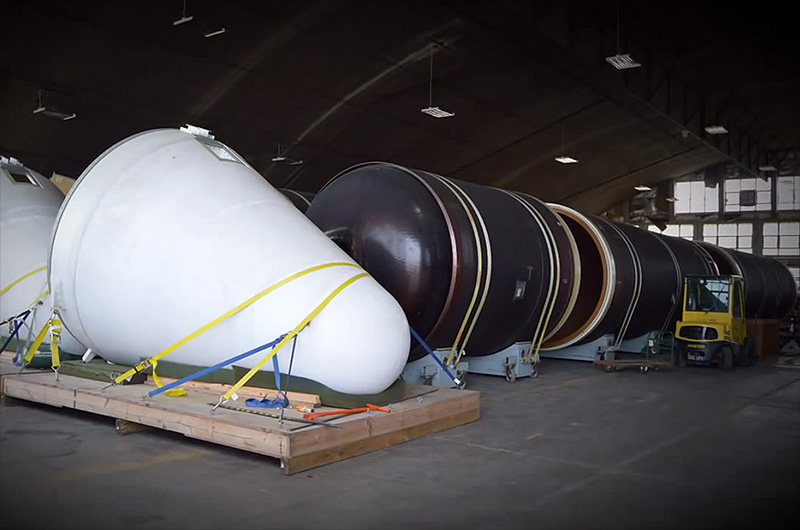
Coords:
pixel 53 325
pixel 172 392
pixel 243 381
pixel 21 278
pixel 144 365
pixel 39 298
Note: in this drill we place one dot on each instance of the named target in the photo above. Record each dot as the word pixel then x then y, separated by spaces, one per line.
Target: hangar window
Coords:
pixel 695 197
pixel 686 231
pixel 782 238
pixel 796 274
pixel 21 177
pixel 748 195
pixel 738 236
pixel 788 193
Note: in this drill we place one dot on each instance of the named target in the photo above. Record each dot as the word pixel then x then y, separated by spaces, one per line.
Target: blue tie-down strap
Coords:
pixel 433 356
pixel 217 366
pixel 281 401
pixel 17 323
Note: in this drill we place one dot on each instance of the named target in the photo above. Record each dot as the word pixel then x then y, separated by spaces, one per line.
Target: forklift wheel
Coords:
pixel 727 358
pixel 681 361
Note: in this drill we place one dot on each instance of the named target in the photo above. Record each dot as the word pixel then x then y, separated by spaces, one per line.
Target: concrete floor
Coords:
pixel 575 448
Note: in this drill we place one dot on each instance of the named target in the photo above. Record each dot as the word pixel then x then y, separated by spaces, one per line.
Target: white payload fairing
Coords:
pixel 29 204
pixel 169 229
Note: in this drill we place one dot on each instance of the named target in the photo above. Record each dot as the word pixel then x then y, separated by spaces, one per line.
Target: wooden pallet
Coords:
pixel 424 410
pixel 642 364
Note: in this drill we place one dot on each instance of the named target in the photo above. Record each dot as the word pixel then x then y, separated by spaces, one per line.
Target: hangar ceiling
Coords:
pixel 337 82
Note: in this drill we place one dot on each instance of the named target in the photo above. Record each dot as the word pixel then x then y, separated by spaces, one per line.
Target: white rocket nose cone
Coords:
pixel 29 203
pixel 166 231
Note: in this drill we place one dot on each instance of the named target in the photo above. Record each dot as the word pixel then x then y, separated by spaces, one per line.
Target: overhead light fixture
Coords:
pixel 767 168
pixel 63 116
pixel 430 110
pixel 436 112
pixel 183 18
pixel 566 160
pixel 672 199
pixel 621 61
pixel 716 129
pixel 52 113
pixel 289 161
pixel 642 187
pixel 215 33
pixel 283 158
pixel 563 158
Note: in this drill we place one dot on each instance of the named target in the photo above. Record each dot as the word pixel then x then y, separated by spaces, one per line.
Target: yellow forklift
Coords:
pixel 713 329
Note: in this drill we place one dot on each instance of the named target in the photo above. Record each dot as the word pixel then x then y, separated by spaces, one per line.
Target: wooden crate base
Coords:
pixel 642 364
pixel 298 446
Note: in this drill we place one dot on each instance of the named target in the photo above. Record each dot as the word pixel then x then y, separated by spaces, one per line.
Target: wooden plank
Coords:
pixel 245 391
pixel 382 432
pixel 405 414
pixel 190 417
pixel 299 447
pixel 311 460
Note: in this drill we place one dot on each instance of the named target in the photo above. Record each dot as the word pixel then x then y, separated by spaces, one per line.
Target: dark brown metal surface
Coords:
pixel 419 235
pixel 300 199
pixel 624 264
pixel 520 271
pixel 563 249
pixel 769 287
pixel 474 262
pixel 593 270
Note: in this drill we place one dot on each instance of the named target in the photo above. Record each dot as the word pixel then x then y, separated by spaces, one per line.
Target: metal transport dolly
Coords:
pixel 512 363
pixel 427 371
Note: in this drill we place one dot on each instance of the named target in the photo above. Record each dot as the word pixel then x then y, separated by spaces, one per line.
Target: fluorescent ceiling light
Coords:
pixel 622 62
pixel 436 112
pixel 642 187
pixel 214 33
pixel 289 161
pixel 716 129
pixel 63 116
pixel 566 160
pixel 767 168
pixel 182 20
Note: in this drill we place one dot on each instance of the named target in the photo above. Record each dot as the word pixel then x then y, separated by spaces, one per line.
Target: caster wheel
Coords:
pixel 511 375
